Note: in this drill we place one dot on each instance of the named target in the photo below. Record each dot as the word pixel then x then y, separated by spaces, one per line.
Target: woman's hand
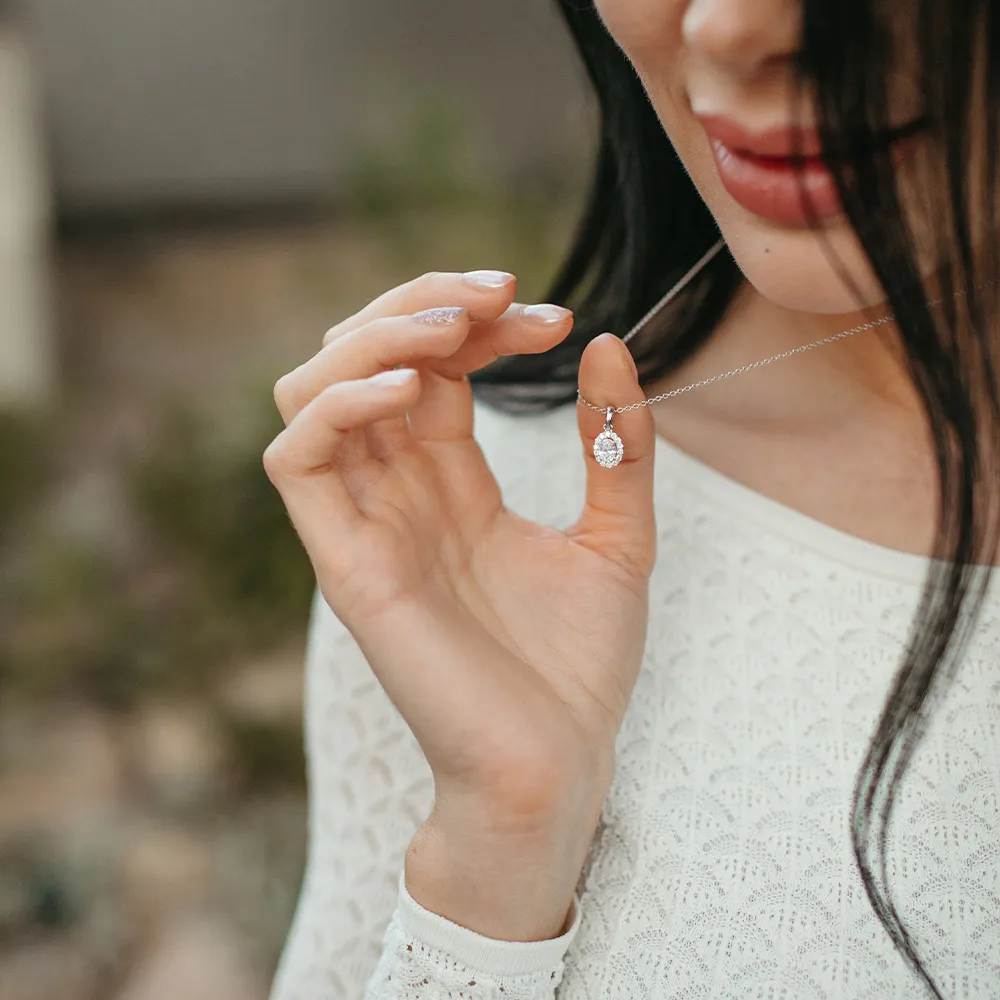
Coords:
pixel 510 648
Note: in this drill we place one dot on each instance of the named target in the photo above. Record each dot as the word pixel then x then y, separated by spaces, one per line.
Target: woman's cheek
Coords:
pixel 648 31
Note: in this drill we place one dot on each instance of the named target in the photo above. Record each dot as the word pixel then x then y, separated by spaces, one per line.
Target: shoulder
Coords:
pixel 537 459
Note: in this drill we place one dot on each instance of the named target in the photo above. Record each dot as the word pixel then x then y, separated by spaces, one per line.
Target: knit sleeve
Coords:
pixel 426 956
pixel 357 933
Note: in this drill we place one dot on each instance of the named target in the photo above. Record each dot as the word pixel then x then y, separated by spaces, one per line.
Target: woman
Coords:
pixel 731 729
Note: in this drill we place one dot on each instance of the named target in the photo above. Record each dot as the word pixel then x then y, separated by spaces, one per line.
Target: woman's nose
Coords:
pixel 743 36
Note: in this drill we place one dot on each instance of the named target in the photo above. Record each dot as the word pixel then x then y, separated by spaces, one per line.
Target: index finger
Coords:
pixel 486 294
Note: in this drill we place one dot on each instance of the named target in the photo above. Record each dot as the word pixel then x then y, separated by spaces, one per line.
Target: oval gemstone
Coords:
pixel 608 449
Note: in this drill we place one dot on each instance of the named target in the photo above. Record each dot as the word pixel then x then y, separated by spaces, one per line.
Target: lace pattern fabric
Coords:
pixel 722 865
pixel 425 957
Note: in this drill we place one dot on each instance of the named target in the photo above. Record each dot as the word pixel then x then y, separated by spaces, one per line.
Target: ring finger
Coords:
pixel 378 345
pixel 374 347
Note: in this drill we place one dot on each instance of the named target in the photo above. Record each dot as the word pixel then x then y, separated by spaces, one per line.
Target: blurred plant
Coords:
pixel 211 507
pixel 425 168
pixel 74 624
pixel 221 571
pixel 270 753
pixel 25 454
pixel 428 204
pixel 34 893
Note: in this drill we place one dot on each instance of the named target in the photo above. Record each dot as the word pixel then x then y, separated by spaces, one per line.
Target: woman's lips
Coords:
pixel 759 171
pixel 774 188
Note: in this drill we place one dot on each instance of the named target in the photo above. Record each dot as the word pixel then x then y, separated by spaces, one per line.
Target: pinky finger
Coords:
pixel 308 446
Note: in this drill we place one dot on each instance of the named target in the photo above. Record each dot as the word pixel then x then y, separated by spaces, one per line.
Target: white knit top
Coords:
pixel 722 866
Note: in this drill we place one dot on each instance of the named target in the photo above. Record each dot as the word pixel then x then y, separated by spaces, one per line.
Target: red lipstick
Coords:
pixel 759 171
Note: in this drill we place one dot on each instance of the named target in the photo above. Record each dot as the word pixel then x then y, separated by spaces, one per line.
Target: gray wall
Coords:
pixel 194 100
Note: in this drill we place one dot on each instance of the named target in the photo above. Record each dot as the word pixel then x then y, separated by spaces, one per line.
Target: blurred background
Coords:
pixel 191 193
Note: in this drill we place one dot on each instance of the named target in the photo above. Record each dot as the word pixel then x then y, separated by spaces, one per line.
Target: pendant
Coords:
pixel 608 447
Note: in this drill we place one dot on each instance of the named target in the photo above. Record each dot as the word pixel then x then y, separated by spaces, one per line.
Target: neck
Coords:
pixel 864 372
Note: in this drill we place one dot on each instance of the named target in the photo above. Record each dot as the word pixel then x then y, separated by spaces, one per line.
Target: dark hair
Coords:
pixel 645 225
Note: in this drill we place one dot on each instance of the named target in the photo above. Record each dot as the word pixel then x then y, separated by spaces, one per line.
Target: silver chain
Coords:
pixel 676 290
pixel 735 371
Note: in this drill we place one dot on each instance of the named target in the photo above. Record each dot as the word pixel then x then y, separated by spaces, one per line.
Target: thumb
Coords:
pixel 618 517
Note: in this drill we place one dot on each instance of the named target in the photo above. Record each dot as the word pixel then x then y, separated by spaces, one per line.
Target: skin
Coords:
pixel 809 430
pixel 457 603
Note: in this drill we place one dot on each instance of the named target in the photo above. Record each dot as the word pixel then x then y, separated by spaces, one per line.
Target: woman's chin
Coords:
pixel 799 268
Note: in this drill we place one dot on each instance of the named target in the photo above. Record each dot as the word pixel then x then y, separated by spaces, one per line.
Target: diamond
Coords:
pixel 608 449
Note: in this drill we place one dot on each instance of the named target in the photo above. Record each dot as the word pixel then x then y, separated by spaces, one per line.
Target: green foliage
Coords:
pixel 270 754
pixel 25 450
pixel 423 203
pixel 73 626
pixel 213 509
pixel 221 571
pixel 424 168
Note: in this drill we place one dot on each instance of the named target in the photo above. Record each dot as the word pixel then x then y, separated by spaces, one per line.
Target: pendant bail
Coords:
pixel 609 414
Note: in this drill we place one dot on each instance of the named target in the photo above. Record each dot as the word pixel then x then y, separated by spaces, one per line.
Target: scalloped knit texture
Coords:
pixel 722 865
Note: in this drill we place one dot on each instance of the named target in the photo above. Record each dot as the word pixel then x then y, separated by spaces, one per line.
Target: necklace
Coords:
pixel 608 447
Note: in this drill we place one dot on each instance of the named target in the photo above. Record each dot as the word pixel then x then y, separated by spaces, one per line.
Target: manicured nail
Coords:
pixel 546 313
pixel 487 280
pixel 395 376
pixel 440 315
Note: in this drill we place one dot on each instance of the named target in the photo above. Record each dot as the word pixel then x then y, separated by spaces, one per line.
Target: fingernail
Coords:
pixel 395 376
pixel 439 316
pixel 546 313
pixel 487 280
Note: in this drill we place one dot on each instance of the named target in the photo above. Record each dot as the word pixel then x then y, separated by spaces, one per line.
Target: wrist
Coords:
pixel 506 885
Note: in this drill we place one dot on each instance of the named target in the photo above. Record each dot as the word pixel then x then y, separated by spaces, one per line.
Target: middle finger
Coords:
pixel 486 294
pixel 371 348
pixel 443 336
